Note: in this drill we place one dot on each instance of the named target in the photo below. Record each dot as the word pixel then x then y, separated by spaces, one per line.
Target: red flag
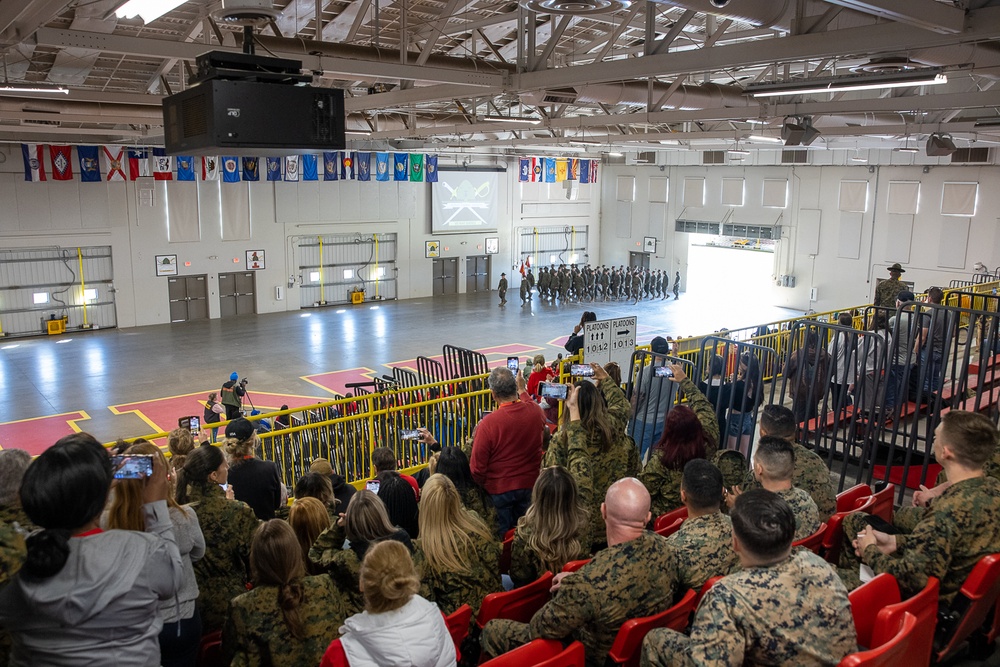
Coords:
pixel 522 268
pixel 62 163
pixel 527 262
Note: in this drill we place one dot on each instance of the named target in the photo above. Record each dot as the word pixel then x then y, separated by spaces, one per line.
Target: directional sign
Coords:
pixel 610 340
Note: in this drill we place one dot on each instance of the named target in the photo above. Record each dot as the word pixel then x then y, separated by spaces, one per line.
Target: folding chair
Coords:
pixel 971 607
pixel 541 653
pixel 847 500
pixel 814 541
pixel 867 600
pixel 924 607
pixel 458 626
pixel 508 542
pixel 575 565
pixel 669 518
pixel 883 505
pixel 890 654
pixel 519 604
pixel 628 643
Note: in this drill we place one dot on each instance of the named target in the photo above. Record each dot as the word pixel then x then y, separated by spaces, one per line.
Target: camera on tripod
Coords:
pixel 244 381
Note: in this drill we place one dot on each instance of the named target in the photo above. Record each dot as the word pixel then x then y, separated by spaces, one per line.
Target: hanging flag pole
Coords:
pixel 322 299
pixel 83 287
pixel 375 237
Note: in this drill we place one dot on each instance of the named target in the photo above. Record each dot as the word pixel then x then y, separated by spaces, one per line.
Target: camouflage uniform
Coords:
pixel 961 526
pixel 256 634
pixel 228 526
pixel 502 290
pixel 792 614
pixel 604 281
pixel 12 552
pixel 636 286
pixel 543 282
pixel 484 508
pixel 812 476
pixel 887 291
pixel 665 284
pixel 616 284
pixel 343 564
pixel 704 547
pixel 564 284
pixel 804 508
pixel 523 291
pixel 629 580
pixel 450 590
pixel 525 565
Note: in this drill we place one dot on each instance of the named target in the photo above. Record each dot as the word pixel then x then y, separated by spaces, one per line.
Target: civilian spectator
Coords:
pixel 84 595
pixel 576 339
pixel 903 352
pixel 342 491
pixel 507 449
pixel 383 460
pixel 314 485
pixel 454 464
pixel 870 388
pixel 651 398
pixel 283 421
pixel 935 326
pixel 255 482
pixel 397 627
pixel 748 394
pixel 308 517
pixel 843 352
pixel 806 373
pixel 539 373
pixel 718 392
pixel 180 443
pixel 457 557
pixel 228 526
pixel 213 414
pixel 555 530
pixel 288 617
pixel 400 504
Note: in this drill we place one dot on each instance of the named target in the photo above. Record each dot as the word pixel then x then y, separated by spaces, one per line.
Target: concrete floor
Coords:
pixel 90 371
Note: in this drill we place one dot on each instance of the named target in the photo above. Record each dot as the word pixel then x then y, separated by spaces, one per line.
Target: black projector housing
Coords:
pixel 244 110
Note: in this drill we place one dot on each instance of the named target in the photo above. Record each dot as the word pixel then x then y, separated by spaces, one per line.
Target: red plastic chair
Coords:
pixel 847 500
pixel 508 542
pixel 458 626
pixel 519 604
pixel 628 643
pixel 923 606
pixel 707 586
pixel 814 541
pixel 541 653
pixel 834 537
pixel 669 530
pixel 867 600
pixel 669 519
pixel 883 505
pixel 981 591
pixel 575 565
pixel 210 650
pixel 890 654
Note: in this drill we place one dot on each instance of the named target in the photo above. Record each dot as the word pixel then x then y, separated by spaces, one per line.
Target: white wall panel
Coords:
pixel 954 242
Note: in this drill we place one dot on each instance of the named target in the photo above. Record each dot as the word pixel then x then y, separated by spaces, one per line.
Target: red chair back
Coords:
pixel 508 541
pixel 890 654
pixel 982 591
pixel 575 565
pixel 210 650
pixel 628 643
pixel 867 600
pixel 667 531
pixel 519 604
pixel 883 505
pixel 669 518
pixel 834 537
pixel 541 653
pixel 924 607
pixel 458 626
pixel 846 500
pixel 814 542
pixel 705 588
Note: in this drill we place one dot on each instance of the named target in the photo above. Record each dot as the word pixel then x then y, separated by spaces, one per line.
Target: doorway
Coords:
pixel 638 260
pixel 236 293
pixel 445 276
pixel 188 298
pixel 477 273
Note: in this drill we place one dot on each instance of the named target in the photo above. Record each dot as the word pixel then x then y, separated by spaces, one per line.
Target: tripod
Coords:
pixel 246 397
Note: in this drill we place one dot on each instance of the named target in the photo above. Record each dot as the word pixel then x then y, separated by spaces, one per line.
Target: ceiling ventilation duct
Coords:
pixel 575 7
pixel 245 11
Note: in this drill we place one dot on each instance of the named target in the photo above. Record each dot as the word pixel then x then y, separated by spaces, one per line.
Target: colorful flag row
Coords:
pixel 114 163
pixel 556 170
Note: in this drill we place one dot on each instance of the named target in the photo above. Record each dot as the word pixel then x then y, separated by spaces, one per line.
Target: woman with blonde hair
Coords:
pixel 181 632
pixel 397 627
pixel 308 517
pixel 288 617
pixel 554 531
pixel 180 443
pixel 457 556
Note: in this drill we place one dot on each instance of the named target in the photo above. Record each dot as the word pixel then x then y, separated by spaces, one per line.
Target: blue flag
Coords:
pixel 524 170
pixel 402 172
pixel 274 168
pixel 431 169
pixel 230 169
pixel 185 168
pixel 585 171
pixel 90 165
pixel 550 170
pixel 381 166
pixel 331 164
pixel 251 169
pixel 364 166
pixel 309 170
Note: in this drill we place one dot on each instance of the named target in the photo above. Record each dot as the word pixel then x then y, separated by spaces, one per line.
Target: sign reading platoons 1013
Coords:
pixel 610 340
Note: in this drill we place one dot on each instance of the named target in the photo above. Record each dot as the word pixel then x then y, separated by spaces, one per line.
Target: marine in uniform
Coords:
pixel 523 290
pixel 677 285
pixel 502 289
pixel 616 283
pixel 531 283
pixel 774 467
pixel 888 290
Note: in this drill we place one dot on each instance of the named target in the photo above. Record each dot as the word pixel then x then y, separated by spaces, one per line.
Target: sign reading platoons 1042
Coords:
pixel 609 340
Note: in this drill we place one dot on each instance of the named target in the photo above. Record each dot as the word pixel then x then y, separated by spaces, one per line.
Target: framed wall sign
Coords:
pixel 166 265
pixel 649 244
pixel 492 245
pixel 255 259
pixel 432 248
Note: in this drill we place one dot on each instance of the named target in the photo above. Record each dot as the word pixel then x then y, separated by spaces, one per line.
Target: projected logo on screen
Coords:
pixel 465 201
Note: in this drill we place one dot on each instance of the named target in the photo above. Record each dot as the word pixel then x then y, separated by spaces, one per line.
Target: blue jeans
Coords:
pixel 511 506
pixel 179 642
pixel 740 423
pixel 932 381
pixel 894 386
pixel 646 434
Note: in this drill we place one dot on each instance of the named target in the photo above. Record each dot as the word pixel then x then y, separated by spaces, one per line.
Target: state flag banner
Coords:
pixel 292 168
pixel 210 169
pixel 431 169
pixel 114 162
pixel 348 171
pixel 185 168
pixel 138 164
pixel 90 164
pixel 574 170
pixel 417 168
pixel 381 166
pixel 331 166
pixel 62 165
pixel 273 168
pixel 524 170
pixel 402 164
pixel 230 169
pixel 550 169
pixel 163 165
pixel 364 166
pixel 593 171
pixel 585 171
pixel 251 169
pixel 562 170
pixel 536 170
pixel 34 166
pixel 309 167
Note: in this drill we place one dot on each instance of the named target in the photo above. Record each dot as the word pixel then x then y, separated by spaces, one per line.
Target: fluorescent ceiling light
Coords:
pixel 147 10
pixel 924 77
pixel 765 140
pixel 614 154
pixel 511 119
pixel 24 88
pixel 738 151
pixel 858 158
pixel 586 142
pixel 907 149
pixel 358 133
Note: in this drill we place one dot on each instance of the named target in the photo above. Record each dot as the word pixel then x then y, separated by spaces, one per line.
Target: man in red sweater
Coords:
pixel 507 449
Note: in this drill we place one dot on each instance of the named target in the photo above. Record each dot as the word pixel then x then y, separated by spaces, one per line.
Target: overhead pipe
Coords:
pixel 636 93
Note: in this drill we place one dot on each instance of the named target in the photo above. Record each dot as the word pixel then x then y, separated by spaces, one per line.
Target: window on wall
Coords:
pixel 314 276
pixel 854 196
pixel 904 197
pixel 658 189
pixel 694 192
pixel 959 199
pixel 626 188
pixel 39 298
pixel 732 192
pixel 775 193
pixel 348 274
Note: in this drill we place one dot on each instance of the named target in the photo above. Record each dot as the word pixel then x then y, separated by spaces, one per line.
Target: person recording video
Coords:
pixel 233 392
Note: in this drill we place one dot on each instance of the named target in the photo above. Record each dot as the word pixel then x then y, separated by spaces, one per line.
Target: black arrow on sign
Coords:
pixel 625 333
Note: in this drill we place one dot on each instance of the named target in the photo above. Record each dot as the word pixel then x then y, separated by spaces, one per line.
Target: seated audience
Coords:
pixel 704 541
pixel 961 526
pixel 782 608
pixel 228 526
pixel 384 460
pixel 255 482
pixel 313 485
pixel 810 474
pixel 287 618
pixel 454 464
pixel 773 467
pixel 364 523
pixel 83 594
pixel 342 491
pixel 457 556
pixel 400 503
pixel 397 626
pixel 555 530
pixel 634 576
pixel 308 517
pixel 181 634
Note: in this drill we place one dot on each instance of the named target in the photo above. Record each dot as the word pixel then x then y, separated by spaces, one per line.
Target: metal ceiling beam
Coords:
pixel 46 129
pixel 398 98
pixel 447 12
pixel 193 32
pixel 19 18
pixel 614 35
pixel 926 14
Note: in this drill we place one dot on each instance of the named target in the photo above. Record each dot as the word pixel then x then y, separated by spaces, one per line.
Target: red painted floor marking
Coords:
pixel 38 434
pixel 336 381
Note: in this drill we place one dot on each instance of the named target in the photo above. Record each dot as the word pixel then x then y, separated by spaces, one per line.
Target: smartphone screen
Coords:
pixel 581 370
pixel 132 466
pixel 409 434
pixel 372 485
pixel 195 426
pixel 513 363
pixel 663 372
pixel 553 390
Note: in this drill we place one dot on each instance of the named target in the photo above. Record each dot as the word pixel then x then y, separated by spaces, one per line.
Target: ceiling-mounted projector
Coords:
pixel 940 145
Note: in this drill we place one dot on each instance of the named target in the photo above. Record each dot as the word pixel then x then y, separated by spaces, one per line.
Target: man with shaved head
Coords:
pixel 634 576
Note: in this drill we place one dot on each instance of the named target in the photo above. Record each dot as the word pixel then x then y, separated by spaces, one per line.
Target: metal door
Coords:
pixel 477 273
pixel 188 298
pixel 236 293
pixel 445 276
pixel 638 259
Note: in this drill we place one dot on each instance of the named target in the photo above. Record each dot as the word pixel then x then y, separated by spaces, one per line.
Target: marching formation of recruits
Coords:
pixel 573 283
